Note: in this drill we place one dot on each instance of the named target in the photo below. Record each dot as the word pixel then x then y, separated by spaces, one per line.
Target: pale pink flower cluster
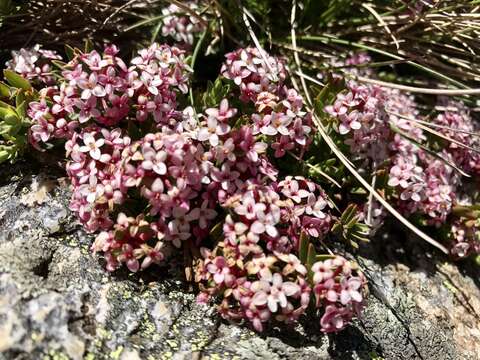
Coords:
pixel 280 111
pixel 425 184
pixel 95 155
pixel 261 289
pixel 361 115
pixel 380 129
pixel 456 123
pixel 34 64
pixel 465 238
pixel 100 89
pixel 181 26
pixel 166 171
pixel 275 215
pixel 254 72
pixel 339 288
pixel 276 287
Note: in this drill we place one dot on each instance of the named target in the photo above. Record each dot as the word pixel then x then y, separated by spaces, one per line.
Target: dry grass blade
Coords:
pixel 328 38
pixel 380 20
pixel 418 90
pixel 447 128
pixel 427 150
pixel 246 15
pixel 190 11
pixel 48 22
pixel 419 124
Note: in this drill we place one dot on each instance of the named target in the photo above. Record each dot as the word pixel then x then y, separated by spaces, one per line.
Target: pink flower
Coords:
pixel 266 222
pixel 154 160
pixel 402 172
pixel 283 145
pixel 91 87
pixel 273 292
pixel 225 176
pixel 249 207
pixel 93 190
pixel 213 130
pixel 351 290
pixel 88 109
pixel 92 146
pixel 202 214
pixel 222 113
pixel 349 122
pixel 334 319
pixel 277 123
pixel 220 271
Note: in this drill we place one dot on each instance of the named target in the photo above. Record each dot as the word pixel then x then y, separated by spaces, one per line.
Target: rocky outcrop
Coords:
pixel 58 302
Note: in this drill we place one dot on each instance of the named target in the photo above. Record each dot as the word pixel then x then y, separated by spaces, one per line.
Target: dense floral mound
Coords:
pixel 154 175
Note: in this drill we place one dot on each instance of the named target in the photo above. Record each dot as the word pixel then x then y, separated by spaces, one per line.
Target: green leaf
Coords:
pixel 22 109
pixel 6 8
pixel 348 214
pixel 216 231
pixel 4 105
pixel 4 155
pixel 10 125
pixel 6 111
pixel 70 51
pixel 4 90
pixel 303 247
pixel 20 98
pixel 16 80
pixel 324 257
pixel 89 45
pixel 59 64
pixel 311 255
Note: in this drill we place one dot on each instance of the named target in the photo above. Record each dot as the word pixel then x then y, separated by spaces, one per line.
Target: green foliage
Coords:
pixel 349 228
pixel 6 7
pixel 215 92
pixel 307 253
pixel 13 115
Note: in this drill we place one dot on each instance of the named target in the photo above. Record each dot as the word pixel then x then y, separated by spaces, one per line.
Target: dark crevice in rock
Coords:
pixel 380 297
pixel 85 320
pixel 460 295
pixel 42 269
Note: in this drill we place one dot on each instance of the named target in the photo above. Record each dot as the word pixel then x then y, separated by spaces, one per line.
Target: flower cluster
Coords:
pixel 264 288
pixel 456 123
pixel 381 130
pixel 464 237
pixel 277 287
pixel 100 89
pixel 95 154
pixel 34 64
pixel 181 26
pixel 338 284
pixel 361 113
pixel 280 112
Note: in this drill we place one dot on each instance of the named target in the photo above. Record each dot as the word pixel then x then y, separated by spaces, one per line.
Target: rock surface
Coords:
pixel 58 302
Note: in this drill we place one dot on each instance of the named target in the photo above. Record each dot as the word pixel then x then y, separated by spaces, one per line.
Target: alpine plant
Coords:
pixel 152 176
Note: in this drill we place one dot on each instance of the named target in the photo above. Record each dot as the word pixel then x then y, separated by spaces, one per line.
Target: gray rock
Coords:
pixel 58 302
